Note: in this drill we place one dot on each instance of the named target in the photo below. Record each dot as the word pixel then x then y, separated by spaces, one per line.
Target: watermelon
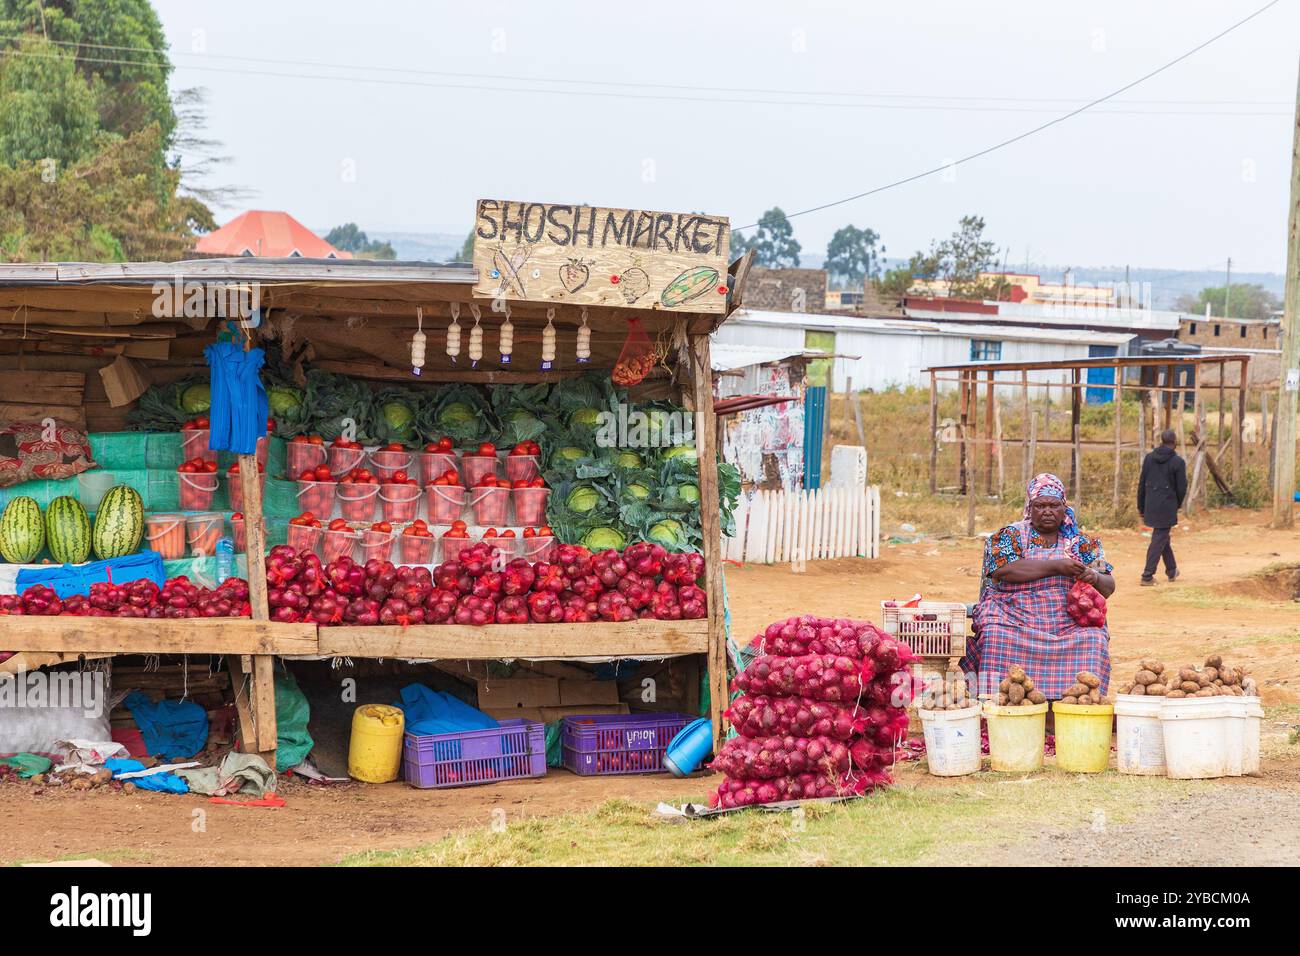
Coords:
pixel 67 530
pixel 119 523
pixel 22 532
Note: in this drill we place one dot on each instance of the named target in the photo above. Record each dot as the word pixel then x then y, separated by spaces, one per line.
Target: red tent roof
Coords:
pixel 268 234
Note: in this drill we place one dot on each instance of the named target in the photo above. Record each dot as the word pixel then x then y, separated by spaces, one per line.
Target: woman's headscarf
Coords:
pixel 1049 486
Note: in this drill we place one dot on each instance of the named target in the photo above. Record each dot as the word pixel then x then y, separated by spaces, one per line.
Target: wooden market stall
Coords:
pixel 113 329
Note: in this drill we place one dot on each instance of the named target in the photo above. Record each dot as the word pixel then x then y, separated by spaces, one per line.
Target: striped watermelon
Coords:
pixel 119 523
pixel 67 530
pixel 22 532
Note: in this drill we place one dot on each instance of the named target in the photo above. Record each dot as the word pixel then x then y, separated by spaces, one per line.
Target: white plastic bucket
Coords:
pixel 1250 733
pixel 1198 734
pixel 952 740
pixel 1139 736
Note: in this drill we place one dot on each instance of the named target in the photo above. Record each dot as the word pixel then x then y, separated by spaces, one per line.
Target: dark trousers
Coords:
pixel 1160 548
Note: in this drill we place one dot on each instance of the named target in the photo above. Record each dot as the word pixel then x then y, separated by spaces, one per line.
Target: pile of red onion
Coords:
pixel 823 707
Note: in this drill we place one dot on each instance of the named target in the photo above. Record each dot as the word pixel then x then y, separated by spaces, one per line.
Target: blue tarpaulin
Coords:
pixel 239 404
pixel 171 728
pixel 430 712
pixel 164 781
pixel 70 579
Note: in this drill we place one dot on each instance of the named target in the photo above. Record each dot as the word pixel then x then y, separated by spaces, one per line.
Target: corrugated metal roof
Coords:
pixel 726 356
pixel 888 326
pixel 235 269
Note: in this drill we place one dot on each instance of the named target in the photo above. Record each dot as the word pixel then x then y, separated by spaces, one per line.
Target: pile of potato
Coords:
pixel 1018 690
pixel 1085 690
pixel 948 694
pixel 1211 680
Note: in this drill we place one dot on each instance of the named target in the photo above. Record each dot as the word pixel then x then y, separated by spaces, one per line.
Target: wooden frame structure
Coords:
pixel 1162 385
pixel 355 317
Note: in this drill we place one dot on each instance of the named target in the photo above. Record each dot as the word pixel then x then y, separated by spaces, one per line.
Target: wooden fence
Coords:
pixel 817 525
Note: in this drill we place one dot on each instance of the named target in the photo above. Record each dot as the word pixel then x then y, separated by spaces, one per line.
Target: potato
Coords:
pixel 1076 690
pixel 1140 689
pixel 80 782
pixel 1211 672
pixel 1016 694
pixel 1002 700
pixel 1204 692
pixel 1069 699
pixel 1176 693
pixel 1004 686
pixel 1215 661
pixel 101 776
pixel 1156 690
pixel 1228 675
pixel 1187 674
pixel 1037 697
pixel 1144 676
pixel 1155 667
pixel 1016 674
pixel 1190 686
pixel 1028 685
pixel 1236 690
pixel 1203 680
pixel 1088 678
pixel 1095 696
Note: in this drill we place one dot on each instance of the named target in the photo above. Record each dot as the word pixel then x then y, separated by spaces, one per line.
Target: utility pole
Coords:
pixel 1289 385
pixel 1227 290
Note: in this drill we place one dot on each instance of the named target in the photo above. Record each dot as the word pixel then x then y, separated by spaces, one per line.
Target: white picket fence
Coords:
pixel 779 526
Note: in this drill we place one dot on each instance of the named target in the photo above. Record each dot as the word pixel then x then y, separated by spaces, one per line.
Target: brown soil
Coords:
pixel 1219 604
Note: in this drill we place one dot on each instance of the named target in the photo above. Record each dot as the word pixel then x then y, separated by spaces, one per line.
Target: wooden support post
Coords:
pixel 970 496
pixel 1238 428
pixel 1284 446
pixel 1119 435
pixel 262 696
pixel 1223 369
pixel 1033 445
pixel 711 526
pixel 1076 464
pixel 1025 474
pixel 963 421
pixel 1179 399
pixel 934 434
pixel 848 397
pixel 1168 395
pixel 989 402
pixel 997 432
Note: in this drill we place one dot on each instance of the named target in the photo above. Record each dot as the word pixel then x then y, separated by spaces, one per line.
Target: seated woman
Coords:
pixel 1029 568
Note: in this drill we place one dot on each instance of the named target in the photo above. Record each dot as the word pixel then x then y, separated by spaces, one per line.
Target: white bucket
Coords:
pixel 1139 737
pixel 1199 734
pixel 952 740
pixel 1250 727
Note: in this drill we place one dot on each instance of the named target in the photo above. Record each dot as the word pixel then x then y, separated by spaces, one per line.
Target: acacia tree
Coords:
pixel 961 261
pixel 1247 300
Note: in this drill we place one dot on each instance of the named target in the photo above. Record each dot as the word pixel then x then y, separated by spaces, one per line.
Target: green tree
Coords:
pixel 47 110
pixel 740 244
pixel 773 242
pixel 119 47
pixel 961 261
pixel 349 238
pixel 852 256
pixel 1247 301
pixel 897 282
pixel 467 249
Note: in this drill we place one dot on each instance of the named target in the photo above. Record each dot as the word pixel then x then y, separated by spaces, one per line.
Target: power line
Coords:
pixel 1037 129
pixel 909 106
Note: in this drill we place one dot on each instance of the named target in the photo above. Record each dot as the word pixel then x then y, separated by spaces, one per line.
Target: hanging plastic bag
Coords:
pixel 1085 605
pixel 637 357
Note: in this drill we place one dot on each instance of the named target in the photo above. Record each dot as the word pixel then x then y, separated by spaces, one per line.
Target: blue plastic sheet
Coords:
pixel 70 579
pixel 239 403
pixel 430 712
pixel 172 728
pixel 164 781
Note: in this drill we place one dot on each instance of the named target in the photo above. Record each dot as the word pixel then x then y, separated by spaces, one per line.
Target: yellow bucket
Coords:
pixel 1016 736
pixel 1083 736
pixel 375 750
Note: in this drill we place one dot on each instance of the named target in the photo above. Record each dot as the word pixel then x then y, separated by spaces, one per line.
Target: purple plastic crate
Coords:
pixel 512 751
pixel 618 743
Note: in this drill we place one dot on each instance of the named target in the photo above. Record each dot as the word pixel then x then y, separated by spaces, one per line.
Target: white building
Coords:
pixel 894 351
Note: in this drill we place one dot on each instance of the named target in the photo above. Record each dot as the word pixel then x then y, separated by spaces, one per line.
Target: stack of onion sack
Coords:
pixel 822 707
pixel 480 587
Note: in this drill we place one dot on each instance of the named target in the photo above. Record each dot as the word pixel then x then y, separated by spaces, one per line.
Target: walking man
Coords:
pixel 1161 489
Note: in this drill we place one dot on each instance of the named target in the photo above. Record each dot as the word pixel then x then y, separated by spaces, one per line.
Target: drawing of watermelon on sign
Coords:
pixel 691 284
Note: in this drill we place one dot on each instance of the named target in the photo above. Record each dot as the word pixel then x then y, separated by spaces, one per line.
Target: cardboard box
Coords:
pixel 124 381
pixel 588 692
pixel 549 715
pixel 518 692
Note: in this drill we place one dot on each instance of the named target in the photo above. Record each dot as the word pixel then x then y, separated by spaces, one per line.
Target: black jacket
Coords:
pixel 1162 487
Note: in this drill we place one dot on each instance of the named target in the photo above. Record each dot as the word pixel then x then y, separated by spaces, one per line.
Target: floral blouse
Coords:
pixel 1004 547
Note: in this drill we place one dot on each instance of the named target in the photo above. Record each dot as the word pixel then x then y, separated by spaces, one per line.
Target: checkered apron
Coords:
pixel 1027 624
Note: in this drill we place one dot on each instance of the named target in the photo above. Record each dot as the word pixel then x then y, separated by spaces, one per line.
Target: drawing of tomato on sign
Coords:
pixel 574 274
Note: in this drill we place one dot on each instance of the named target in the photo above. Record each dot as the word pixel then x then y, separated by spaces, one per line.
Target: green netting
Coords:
pixel 164 451
pixel 43 491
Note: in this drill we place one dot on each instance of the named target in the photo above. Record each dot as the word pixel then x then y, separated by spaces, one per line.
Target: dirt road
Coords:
pixel 1220 603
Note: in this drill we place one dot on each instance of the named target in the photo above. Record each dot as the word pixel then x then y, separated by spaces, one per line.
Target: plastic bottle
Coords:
pixel 225 559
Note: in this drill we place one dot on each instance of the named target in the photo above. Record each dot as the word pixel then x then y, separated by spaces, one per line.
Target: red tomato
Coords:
pixel 210 467
pixel 545 531
pixel 508 533
pixel 537 483
pixel 459 524
pixel 530 532
pixel 394 446
pixel 315 440
pixel 487 448
pixel 400 477
pixel 338 524
pixel 237 516
pixel 381 526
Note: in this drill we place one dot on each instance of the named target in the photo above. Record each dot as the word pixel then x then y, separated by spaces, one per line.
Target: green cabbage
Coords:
pixel 582 499
pixel 638 491
pixel 197 399
pixel 628 459
pixel 602 539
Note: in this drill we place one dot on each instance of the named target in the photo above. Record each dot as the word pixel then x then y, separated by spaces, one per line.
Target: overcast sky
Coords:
pixel 1187 169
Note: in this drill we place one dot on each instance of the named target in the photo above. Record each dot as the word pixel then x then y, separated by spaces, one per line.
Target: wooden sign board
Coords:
pixel 589 255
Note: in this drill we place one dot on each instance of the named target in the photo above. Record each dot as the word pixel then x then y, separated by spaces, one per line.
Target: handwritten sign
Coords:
pixel 589 255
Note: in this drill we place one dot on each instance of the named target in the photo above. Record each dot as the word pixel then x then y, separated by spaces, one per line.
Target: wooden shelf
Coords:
pixel 146 636
pixel 504 641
